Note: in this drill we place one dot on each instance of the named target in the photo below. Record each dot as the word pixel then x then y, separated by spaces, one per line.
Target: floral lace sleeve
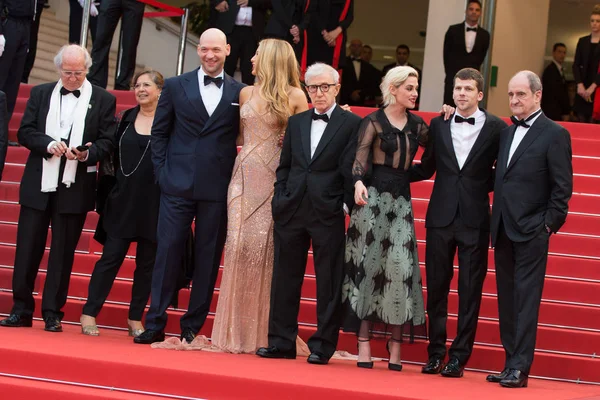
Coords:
pixel 364 157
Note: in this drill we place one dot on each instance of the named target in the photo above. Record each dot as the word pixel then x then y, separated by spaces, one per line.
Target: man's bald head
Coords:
pixel 355 47
pixel 212 50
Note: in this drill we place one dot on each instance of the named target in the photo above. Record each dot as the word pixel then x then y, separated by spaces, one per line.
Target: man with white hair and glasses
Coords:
pixel 68 127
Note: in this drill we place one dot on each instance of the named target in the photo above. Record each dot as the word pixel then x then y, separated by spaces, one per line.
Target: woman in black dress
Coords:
pixel 131 210
pixel 585 69
pixel 382 287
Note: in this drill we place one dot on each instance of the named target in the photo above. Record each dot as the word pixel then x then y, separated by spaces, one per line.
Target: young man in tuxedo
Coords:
pixel 465 46
pixel 533 185
pixel 193 151
pixel 312 196
pixel 555 101
pixel 243 21
pixel 68 127
pixel 402 56
pixel 462 151
pixel 360 80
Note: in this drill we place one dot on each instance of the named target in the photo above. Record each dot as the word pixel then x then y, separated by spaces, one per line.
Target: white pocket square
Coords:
pixel 235 104
pixel 92 169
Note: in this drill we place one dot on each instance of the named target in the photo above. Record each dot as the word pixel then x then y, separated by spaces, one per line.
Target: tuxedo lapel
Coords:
pixel 447 140
pixel 191 87
pixel 530 136
pixel 335 122
pixel 223 104
pixel 483 136
pixel 305 127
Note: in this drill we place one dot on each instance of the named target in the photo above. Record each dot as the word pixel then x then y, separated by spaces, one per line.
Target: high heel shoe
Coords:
pixel 133 332
pixel 392 366
pixel 90 329
pixel 364 364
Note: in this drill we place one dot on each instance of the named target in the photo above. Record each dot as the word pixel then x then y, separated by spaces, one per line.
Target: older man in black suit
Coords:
pixel 555 101
pixel 360 80
pixel 68 127
pixel 312 196
pixel 463 152
pixel 243 21
pixel 193 152
pixel 534 182
pixel 465 46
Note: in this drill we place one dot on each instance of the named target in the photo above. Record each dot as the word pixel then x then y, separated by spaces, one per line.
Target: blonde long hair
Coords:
pixel 276 72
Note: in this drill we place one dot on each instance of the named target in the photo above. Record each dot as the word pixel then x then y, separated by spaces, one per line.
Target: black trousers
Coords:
pixel 110 12
pixel 106 269
pixel 12 62
pixel 520 272
pixel 472 245
pixel 31 243
pixel 292 242
pixel 174 220
pixel 29 61
pixel 243 47
pixel 75 18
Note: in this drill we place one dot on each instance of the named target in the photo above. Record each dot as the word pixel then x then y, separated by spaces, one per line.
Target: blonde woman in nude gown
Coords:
pixel 241 320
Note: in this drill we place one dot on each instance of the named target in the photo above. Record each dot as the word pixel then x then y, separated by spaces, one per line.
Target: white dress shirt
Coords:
pixel 67 108
pixel 211 94
pixel 559 66
pixel 470 37
pixel 356 64
pixel 464 135
pixel 316 130
pixel 244 17
pixel 519 135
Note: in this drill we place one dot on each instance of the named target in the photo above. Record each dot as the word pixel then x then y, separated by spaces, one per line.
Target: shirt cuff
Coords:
pixel 87 155
pixel 346 210
pixel 52 143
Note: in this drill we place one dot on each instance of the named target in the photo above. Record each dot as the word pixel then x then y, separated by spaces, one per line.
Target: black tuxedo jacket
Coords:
pixel 368 84
pixel 99 129
pixel 555 99
pixel 3 131
pixel 193 154
pixel 455 50
pixel 535 188
pixel 226 21
pixel 285 14
pixel 465 190
pixel 321 178
pixel 581 63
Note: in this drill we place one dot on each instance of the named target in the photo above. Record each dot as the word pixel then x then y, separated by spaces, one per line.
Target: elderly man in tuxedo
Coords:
pixel 463 152
pixel 360 80
pixel 310 201
pixel 68 128
pixel 534 182
pixel 465 46
pixel 193 151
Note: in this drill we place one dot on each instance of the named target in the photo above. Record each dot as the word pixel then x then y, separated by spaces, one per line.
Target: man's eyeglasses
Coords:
pixel 76 74
pixel 324 87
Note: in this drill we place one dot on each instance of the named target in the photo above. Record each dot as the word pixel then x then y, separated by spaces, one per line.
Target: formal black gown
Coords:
pixel 382 281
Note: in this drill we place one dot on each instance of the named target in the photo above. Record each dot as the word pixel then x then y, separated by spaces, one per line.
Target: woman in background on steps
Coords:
pixel 130 212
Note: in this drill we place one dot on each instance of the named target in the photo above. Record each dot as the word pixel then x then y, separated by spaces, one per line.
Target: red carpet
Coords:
pixel 111 360
pixel 567 342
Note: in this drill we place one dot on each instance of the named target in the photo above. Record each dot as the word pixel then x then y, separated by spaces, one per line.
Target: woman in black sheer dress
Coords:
pixel 131 210
pixel 382 287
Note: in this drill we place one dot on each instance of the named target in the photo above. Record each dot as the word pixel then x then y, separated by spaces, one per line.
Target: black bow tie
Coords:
pixel 64 91
pixel 523 122
pixel 322 117
pixel 209 79
pixel 459 120
pixel 471 29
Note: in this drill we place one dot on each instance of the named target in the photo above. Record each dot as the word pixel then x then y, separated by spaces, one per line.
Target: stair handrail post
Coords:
pixel 182 41
pixel 85 22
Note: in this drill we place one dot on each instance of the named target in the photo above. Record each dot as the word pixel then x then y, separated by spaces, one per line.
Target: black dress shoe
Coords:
pixel 496 378
pixel 188 335
pixel 515 379
pixel 433 366
pixel 149 336
pixel 317 358
pixel 274 352
pixel 53 324
pixel 453 369
pixel 16 321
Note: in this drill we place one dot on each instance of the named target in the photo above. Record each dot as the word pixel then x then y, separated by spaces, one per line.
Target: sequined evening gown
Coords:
pixel 242 318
